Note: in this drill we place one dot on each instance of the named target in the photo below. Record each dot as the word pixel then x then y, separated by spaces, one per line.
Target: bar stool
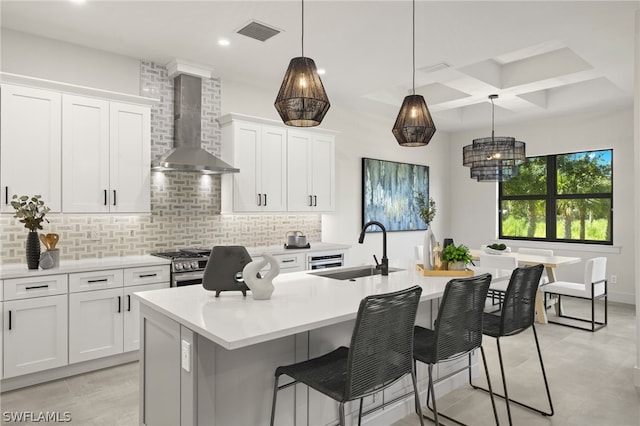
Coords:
pixel 457 331
pixel 517 315
pixel 381 352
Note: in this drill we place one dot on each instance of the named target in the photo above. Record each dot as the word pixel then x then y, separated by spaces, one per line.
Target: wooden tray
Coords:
pixel 434 273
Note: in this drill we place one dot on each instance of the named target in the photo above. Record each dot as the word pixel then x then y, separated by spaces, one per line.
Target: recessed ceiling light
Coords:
pixel 321 71
pixel 224 42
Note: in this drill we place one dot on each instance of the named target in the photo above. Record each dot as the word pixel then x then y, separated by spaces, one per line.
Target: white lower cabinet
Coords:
pixel 35 334
pixel 95 324
pixel 105 322
pixel 132 315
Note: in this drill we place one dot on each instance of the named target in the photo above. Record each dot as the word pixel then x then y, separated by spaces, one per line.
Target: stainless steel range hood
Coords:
pixel 187 154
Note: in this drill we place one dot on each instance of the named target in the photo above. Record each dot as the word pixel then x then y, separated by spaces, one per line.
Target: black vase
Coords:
pixel 33 250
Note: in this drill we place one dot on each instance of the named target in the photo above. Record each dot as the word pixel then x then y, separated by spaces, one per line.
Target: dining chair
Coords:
pixel 515 316
pixel 456 333
pixel 498 261
pixel 380 353
pixel 538 252
pixel 592 288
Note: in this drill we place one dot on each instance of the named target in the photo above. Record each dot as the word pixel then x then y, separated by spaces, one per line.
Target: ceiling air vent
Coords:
pixel 258 31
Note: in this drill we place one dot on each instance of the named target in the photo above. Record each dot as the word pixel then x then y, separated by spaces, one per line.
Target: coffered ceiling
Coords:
pixel 542 58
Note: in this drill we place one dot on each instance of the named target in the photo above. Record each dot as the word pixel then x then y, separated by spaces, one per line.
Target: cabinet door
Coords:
pixel 246 144
pixel 323 173
pixel 95 324
pixel 35 334
pixel 131 309
pixel 85 154
pixel 300 197
pixel 30 145
pixel 130 158
pixel 272 161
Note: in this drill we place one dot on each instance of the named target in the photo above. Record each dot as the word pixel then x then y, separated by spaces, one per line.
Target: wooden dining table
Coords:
pixel 550 264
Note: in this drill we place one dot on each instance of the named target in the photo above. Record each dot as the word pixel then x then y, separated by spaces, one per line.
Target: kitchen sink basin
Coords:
pixel 353 273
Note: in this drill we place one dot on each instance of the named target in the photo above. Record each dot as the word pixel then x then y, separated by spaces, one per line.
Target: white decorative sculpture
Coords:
pixel 261 288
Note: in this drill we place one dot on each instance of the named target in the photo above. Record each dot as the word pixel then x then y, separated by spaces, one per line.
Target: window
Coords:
pixel 564 198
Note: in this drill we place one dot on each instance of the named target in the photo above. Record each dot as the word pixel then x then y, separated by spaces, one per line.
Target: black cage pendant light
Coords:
pixel 414 125
pixel 302 101
pixel 496 158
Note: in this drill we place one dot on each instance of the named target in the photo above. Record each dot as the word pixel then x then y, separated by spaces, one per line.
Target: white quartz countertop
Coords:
pixel 301 302
pixel 19 270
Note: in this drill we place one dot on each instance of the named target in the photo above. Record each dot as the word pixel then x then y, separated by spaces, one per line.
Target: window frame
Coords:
pixel 551 197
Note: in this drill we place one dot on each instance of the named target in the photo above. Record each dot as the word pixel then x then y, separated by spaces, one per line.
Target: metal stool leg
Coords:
pixel 273 405
pixel 417 396
pixel 486 372
pixel 342 419
pixel 504 381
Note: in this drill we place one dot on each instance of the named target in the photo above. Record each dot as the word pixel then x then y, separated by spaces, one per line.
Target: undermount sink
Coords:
pixel 352 273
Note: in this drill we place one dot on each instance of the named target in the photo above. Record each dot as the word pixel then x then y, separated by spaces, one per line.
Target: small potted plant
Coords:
pixel 31 212
pixel 457 257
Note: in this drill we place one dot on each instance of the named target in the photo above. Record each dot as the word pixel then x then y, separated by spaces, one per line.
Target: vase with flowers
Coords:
pixel 31 211
pixel 427 212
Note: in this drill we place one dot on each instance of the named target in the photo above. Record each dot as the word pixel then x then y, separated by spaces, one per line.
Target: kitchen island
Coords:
pixel 208 360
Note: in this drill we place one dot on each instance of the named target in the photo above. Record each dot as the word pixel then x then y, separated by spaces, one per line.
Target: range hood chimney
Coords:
pixel 187 154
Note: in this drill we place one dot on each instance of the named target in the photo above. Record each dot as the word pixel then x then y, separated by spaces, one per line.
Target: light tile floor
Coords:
pixel 590 374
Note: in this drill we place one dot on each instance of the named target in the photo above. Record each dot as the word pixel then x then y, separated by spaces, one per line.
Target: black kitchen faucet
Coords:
pixel 384 264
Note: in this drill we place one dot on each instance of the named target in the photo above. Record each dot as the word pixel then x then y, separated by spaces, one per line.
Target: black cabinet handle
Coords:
pixel 9 320
pixel 147 275
pixel 6 195
pixel 105 197
pixel 114 197
pixel 310 200
pixel 34 287
pixel 102 280
pixel 119 304
pixel 288 260
pixel 259 199
pixel 128 303
pixel 315 201
pixel 265 199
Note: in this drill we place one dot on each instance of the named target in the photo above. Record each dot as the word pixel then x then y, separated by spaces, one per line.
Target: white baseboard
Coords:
pixel 18 382
pixel 626 298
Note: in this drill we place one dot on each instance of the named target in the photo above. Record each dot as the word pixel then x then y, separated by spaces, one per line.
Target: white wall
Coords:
pixel 24 54
pixel 361 135
pixel 474 205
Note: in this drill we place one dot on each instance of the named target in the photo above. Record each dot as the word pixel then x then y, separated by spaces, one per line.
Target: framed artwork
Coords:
pixel 388 194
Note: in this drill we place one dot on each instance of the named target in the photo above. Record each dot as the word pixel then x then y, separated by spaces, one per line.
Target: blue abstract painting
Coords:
pixel 388 194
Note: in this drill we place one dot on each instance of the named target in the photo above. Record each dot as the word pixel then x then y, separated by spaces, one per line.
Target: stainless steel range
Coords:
pixel 187 265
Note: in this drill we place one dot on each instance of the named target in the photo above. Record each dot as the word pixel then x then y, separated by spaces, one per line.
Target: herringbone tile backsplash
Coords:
pixel 185 207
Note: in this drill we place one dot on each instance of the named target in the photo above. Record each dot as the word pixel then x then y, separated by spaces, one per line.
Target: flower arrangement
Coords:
pixel 426 209
pixel 30 211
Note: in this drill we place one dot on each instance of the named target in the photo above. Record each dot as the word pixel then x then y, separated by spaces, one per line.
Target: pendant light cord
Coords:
pixel 302 28
pixel 493 108
pixel 414 48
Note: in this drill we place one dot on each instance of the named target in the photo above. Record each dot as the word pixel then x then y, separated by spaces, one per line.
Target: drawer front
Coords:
pixel 24 288
pixel 146 275
pixel 291 261
pixel 95 280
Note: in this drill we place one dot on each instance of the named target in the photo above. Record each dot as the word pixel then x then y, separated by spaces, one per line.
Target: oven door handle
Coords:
pixel 188 276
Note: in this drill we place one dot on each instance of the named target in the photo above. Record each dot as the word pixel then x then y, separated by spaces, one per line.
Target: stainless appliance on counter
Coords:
pixel 187 265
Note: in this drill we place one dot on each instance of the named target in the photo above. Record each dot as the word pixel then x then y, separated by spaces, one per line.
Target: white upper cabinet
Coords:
pixel 260 152
pixel 84 150
pixel 30 145
pixel 281 169
pixel 130 158
pixel 85 154
pixel 106 156
pixel 311 171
